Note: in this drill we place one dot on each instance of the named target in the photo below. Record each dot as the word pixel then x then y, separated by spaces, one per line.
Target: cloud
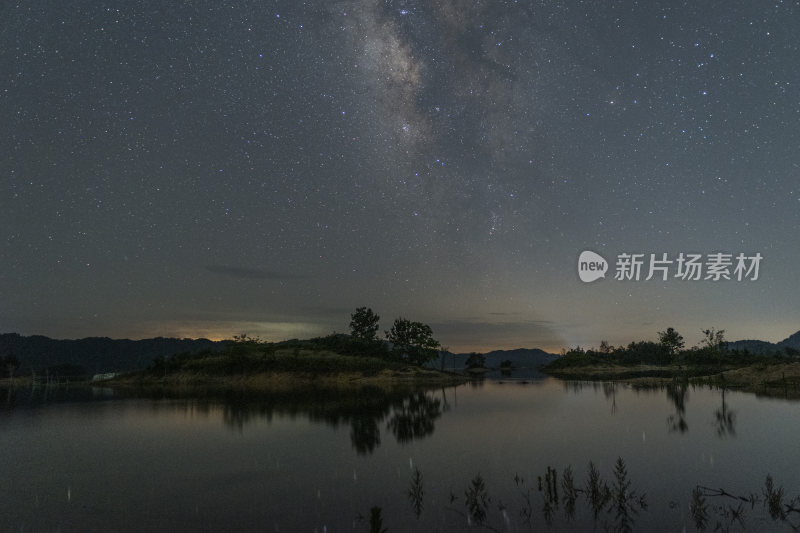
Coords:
pixel 247 273
pixel 218 330
pixel 475 335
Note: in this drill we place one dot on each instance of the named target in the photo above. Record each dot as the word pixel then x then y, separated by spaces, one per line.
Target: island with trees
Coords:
pixel 716 361
pixel 360 357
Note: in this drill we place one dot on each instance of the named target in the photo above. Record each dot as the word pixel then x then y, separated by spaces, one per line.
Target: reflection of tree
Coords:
pixel 725 419
pixel 365 434
pixel 445 403
pixel 236 413
pixel 10 397
pixel 414 416
pixel 410 412
pixel 677 394
pixel 610 391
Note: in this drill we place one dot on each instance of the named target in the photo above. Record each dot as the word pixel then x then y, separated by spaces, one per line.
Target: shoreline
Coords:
pixel 281 381
pixel 772 379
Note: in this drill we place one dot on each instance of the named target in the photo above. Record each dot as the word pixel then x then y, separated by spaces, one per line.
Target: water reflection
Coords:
pixel 772 499
pixel 10 396
pixel 274 474
pixel 414 416
pixel 408 414
pixel 615 506
pixel 365 435
pixel 610 392
pixel 609 389
pixel 39 395
pixel 677 394
pixel 725 419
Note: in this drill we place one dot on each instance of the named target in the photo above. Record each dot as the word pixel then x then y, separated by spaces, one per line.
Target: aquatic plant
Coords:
pixel 773 499
pixel 416 492
pixel 376 521
pixel 699 509
pixel 597 490
pixel 625 501
pixel 614 507
pixel 570 492
pixel 477 500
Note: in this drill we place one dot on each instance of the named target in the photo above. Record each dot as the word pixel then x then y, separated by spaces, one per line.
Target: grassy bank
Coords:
pixel 9 383
pixel 287 379
pixel 282 366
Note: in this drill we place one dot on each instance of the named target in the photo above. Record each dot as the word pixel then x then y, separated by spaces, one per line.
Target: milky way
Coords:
pixel 218 167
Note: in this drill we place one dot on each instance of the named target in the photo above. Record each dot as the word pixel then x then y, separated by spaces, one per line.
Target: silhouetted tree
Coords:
pixel 364 324
pixel 476 360
pixel 714 340
pixel 672 340
pixel 413 341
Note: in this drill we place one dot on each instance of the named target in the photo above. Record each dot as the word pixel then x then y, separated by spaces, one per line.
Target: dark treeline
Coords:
pixel 669 350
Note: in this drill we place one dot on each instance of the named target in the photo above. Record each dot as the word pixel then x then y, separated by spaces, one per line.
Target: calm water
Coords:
pixel 86 461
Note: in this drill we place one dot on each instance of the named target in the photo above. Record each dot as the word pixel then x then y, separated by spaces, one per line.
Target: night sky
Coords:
pixel 216 167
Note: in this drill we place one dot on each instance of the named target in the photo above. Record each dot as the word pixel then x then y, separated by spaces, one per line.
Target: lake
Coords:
pixel 84 459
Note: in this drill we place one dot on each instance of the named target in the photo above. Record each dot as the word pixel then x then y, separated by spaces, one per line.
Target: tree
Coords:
pixel 244 338
pixel 714 340
pixel 413 341
pixel 364 324
pixel 476 360
pixel 672 340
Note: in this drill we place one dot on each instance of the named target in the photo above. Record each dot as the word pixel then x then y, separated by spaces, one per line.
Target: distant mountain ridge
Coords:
pixel 792 342
pixel 94 355
pixel 520 357
pixel 532 358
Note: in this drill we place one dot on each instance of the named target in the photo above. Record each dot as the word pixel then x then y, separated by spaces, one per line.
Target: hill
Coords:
pixel 792 341
pixel 525 361
pixel 520 358
pixel 787 345
pixel 94 354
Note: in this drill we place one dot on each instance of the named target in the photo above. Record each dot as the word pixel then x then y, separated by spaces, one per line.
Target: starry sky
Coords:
pixel 215 167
